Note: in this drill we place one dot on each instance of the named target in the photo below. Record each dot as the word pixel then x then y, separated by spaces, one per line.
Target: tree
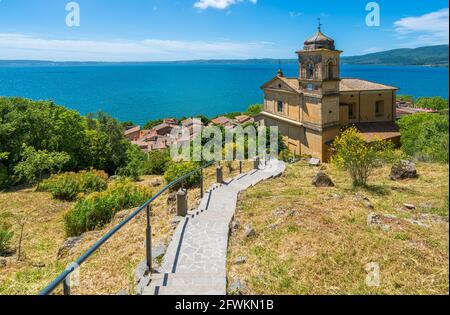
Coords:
pixel 425 136
pixel 135 161
pixel 156 162
pixel 254 109
pixel 436 102
pixel 359 158
pixel 153 123
pixel 37 162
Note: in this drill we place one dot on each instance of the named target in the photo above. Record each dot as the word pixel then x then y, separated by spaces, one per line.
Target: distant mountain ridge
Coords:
pixel 423 56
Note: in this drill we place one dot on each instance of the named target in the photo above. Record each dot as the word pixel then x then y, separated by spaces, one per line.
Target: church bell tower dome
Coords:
pixel 319 41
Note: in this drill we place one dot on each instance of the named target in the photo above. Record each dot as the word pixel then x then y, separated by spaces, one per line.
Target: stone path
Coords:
pixel 195 261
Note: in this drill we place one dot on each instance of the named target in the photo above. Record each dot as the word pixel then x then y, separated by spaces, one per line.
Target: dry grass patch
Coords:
pixel 108 270
pixel 317 241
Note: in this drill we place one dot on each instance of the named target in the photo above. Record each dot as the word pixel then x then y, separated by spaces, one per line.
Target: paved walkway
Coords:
pixel 195 261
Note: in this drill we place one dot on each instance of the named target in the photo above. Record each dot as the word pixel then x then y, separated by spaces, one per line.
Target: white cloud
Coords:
pixel 218 4
pixel 295 14
pixel 427 29
pixel 20 46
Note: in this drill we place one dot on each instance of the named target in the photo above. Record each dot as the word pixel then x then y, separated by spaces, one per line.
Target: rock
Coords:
pixel 172 198
pixel 122 292
pixel 374 219
pixel 174 222
pixel 273 226
pixel 3 262
pixel 240 260
pixel 156 182
pixel 278 213
pixel 113 178
pixel 68 246
pixel 419 223
pixel 409 206
pixel 322 180
pixel 38 264
pixel 314 162
pixel 141 271
pixel 237 287
pixel 404 169
pixel 364 200
pixel 249 231
pixel 368 204
pixel 234 226
pixel 159 250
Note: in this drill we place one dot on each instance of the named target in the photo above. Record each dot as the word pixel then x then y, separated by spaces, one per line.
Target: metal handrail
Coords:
pixel 64 276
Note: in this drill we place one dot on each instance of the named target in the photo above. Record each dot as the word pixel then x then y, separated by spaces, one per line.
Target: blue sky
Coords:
pixel 147 30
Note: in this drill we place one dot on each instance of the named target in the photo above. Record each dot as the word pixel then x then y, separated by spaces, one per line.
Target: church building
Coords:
pixel 312 109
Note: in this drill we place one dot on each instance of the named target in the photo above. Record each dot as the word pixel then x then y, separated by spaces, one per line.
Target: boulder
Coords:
pixel 403 170
pixel 234 226
pixel 374 219
pixel 237 287
pixel 156 182
pixel 409 206
pixel 172 198
pixel 322 180
pixel 249 231
pixel 240 260
pixel 3 262
pixel 68 246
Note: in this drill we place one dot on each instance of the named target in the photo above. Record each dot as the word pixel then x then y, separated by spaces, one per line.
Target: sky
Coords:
pixel 166 30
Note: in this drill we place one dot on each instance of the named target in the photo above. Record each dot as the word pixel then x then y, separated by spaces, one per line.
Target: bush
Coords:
pixel 359 158
pixel 135 162
pixel 254 110
pixel 436 102
pixel 425 136
pixel 68 186
pixel 98 209
pixel 156 162
pixel 176 170
pixel 5 232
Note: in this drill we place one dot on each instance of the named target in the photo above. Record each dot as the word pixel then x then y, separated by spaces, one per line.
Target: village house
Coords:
pixel 222 121
pixel 243 119
pixel 311 109
pixel 133 133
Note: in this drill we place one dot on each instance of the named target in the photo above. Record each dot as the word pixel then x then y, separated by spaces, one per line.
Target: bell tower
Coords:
pixel 319 79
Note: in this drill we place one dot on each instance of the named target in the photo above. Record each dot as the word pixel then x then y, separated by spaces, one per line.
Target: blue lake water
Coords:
pixel 148 91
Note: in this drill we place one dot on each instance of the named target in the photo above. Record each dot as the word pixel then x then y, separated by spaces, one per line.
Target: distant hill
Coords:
pixel 423 56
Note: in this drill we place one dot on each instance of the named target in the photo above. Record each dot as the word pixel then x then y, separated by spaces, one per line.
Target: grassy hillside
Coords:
pixel 423 56
pixel 317 241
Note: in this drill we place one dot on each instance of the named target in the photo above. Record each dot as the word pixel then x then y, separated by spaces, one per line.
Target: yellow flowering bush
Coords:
pixel 358 157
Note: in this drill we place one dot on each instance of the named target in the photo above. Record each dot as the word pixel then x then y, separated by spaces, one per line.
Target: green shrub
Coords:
pixel 435 102
pixel 176 170
pixel 5 232
pixel 254 110
pixel 68 186
pixel 98 209
pixel 425 136
pixel 156 162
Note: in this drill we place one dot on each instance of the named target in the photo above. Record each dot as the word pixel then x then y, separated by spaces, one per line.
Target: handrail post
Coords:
pixel 201 183
pixel 66 285
pixel 149 241
pixel 240 167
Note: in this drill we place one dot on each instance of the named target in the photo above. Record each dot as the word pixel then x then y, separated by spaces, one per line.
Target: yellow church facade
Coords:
pixel 312 109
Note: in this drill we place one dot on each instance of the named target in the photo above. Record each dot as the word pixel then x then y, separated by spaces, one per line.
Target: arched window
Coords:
pixel 330 70
pixel 310 71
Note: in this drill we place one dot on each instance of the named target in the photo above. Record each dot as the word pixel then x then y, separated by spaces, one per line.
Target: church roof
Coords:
pixel 351 84
pixel 319 41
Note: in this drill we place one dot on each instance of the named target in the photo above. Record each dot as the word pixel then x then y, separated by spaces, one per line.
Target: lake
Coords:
pixel 148 91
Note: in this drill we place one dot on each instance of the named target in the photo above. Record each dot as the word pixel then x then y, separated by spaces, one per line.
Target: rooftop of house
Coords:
pixel 222 120
pixel 378 130
pixel 132 130
pixel 352 84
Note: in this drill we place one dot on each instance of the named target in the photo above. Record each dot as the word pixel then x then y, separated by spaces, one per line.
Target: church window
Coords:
pixel 280 106
pixel 330 70
pixel 379 108
pixel 351 111
pixel 310 71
